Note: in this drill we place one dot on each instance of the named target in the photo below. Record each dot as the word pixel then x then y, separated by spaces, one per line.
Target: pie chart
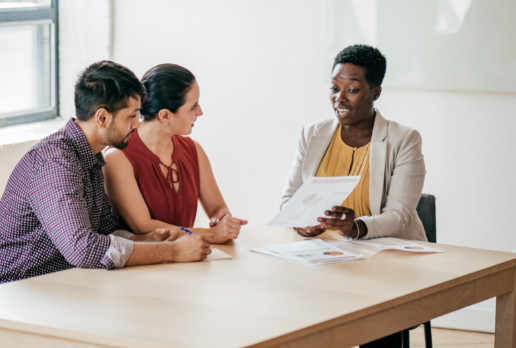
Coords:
pixel 312 200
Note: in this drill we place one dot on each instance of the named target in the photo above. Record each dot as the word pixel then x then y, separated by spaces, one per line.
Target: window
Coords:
pixel 28 61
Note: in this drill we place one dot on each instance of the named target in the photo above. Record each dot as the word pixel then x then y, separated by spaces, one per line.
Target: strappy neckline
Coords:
pixel 169 179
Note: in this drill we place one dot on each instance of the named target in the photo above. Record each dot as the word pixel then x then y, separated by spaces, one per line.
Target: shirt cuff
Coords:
pixel 123 233
pixel 119 251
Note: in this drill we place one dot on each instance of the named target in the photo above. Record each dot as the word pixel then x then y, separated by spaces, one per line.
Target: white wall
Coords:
pixel 84 37
pixel 260 68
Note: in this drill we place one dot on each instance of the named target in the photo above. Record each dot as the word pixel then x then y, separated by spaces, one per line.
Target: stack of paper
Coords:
pixel 309 252
pixel 397 244
pixel 217 254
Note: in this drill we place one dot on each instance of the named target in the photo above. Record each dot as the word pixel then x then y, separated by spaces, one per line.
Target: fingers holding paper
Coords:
pixel 340 219
pixel 309 232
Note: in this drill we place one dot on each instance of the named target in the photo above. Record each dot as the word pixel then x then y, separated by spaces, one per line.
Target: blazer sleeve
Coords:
pixel 295 175
pixel 403 192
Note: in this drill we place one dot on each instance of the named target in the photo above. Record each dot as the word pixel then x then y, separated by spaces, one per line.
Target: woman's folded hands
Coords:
pixel 227 228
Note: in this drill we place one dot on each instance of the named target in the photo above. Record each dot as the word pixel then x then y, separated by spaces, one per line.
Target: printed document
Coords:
pixel 217 254
pixel 396 244
pixel 309 252
pixel 315 196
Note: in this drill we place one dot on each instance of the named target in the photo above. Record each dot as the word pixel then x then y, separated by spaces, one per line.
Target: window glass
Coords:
pixel 10 5
pixel 26 68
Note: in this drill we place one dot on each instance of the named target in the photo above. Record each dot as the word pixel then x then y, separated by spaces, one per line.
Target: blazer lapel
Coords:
pixel 377 163
pixel 317 147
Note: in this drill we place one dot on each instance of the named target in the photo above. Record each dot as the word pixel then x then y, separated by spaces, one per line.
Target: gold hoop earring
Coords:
pixel 166 125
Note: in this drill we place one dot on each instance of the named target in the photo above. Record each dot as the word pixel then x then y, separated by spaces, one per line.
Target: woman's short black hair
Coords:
pixel 367 57
pixel 167 86
pixel 105 84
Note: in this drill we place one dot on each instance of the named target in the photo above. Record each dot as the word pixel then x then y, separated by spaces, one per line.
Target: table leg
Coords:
pixel 505 329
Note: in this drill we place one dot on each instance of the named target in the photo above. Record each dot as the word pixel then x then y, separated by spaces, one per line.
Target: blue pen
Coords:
pixel 186 231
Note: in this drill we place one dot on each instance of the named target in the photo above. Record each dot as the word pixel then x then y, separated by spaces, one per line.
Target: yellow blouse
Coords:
pixel 343 160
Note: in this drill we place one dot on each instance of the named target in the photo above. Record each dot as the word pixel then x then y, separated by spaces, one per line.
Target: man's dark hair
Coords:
pixel 107 85
pixel 167 86
pixel 367 57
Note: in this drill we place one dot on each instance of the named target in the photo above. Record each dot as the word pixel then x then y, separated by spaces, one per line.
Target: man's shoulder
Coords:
pixel 58 147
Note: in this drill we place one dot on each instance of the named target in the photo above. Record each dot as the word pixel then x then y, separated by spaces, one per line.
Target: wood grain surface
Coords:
pixel 254 300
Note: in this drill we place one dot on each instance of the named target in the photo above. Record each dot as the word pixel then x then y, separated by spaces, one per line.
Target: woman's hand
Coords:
pixel 309 232
pixel 342 220
pixel 227 228
pixel 216 219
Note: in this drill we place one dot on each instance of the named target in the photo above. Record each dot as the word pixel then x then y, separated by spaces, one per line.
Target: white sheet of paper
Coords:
pixel 316 195
pixel 217 254
pixel 397 244
pixel 314 251
pixel 264 251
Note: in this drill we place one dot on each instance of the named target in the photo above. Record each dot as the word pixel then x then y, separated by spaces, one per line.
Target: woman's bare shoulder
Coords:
pixel 116 157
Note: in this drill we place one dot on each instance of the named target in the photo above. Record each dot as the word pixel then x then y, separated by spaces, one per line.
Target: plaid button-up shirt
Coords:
pixel 55 214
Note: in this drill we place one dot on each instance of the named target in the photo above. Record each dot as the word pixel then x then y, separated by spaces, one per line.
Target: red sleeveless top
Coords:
pixel 164 203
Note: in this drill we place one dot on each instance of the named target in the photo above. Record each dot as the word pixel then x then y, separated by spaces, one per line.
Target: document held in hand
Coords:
pixel 316 195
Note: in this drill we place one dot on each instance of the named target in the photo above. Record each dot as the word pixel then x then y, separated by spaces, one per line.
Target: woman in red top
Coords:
pixel 156 181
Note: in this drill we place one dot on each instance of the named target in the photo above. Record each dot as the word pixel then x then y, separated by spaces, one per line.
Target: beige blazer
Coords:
pixel 396 175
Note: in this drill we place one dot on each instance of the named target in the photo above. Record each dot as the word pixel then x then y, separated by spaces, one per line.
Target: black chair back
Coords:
pixel 426 211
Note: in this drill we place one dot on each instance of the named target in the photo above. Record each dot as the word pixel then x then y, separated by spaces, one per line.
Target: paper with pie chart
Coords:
pixel 316 195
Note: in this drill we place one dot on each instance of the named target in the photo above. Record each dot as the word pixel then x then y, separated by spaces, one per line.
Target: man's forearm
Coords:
pixel 150 253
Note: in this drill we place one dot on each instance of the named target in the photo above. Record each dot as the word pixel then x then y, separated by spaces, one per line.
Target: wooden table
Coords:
pixel 255 300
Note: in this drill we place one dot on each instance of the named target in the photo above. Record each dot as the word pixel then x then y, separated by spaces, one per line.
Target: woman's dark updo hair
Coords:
pixel 167 86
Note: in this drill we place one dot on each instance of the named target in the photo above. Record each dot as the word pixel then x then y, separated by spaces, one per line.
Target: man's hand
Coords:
pixel 191 248
pixel 226 229
pixel 309 232
pixel 159 235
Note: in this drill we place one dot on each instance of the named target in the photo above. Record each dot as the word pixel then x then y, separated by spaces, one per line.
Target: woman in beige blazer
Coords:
pixel 390 156
pixel 397 167
pixel 396 181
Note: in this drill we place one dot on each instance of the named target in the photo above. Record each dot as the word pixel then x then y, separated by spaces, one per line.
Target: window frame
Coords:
pixel 32 15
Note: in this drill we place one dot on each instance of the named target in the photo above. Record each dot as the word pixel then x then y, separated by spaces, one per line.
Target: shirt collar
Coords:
pixel 86 155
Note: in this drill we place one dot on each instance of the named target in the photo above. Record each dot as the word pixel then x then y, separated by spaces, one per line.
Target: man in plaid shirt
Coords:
pixel 55 214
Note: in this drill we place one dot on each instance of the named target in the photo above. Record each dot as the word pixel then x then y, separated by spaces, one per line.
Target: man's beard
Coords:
pixel 117 140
